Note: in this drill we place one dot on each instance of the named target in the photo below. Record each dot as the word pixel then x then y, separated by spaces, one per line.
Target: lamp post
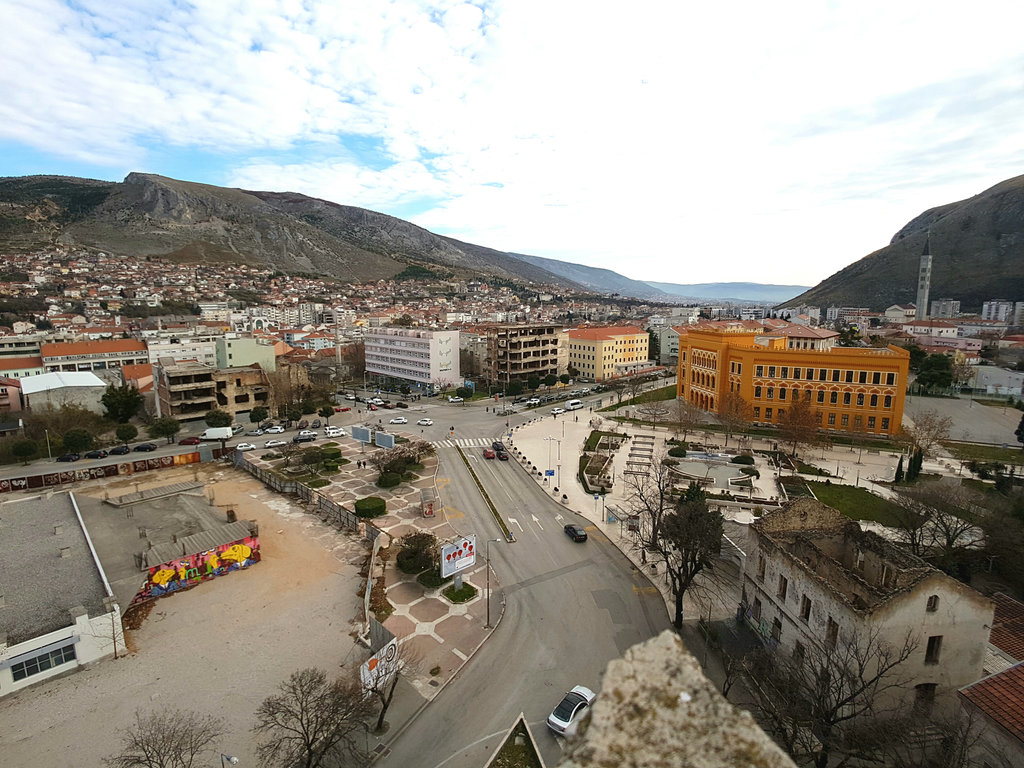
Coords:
pixel 227 760
pixel 488 548
pixel 48 454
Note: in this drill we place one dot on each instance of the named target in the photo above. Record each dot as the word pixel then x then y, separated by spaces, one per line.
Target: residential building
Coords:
pixel 900 313
pixel 418 355
pixel 843 315
pixel 232 351
pixel 183 348
pixel 999 310
pixel 603 353
pixel 54 390
pixel 939 328
pixel 20 346
pixel 815 579
pixel 945 308
pixel 93 355
pixel 10 395
pixel 59 614
pixel 472 352
pixel 999 702
pixel 518 351
pixel 187 391
pixel 851 389
pixel 21 367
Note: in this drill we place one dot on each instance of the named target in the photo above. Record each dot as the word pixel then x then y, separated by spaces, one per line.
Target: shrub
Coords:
pixel 748 460
pixel 413 560
pixel 750 472
pixel 388 479
pixel 330 466
pixel 331 454
pixel 677 451
pixel 432 578
pixel 468 592
pixel 371 506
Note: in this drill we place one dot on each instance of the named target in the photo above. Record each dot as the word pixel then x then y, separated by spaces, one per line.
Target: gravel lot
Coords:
pixel 971 421
pixel 218 649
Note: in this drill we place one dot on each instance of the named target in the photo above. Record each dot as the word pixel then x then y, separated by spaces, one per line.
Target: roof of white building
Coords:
pixel 58 380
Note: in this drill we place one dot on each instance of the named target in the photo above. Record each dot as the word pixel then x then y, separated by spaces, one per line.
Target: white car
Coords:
pixel 334 432
pixel 556 411
pixel 254 432
pixel 275 430
pixel 275 443
pixel 307 433
pixel 245 447
pixel 570 708
pixel 533 401
pixel 399 420
pixel 454 399
pixel 350 396
pixel 425 422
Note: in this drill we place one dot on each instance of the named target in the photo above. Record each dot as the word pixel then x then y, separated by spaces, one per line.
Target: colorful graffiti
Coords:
pixel 64 477
pixel 185 572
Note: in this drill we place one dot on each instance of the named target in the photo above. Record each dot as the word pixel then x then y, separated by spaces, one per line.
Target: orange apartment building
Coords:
pixel 850 389
pixel 604 353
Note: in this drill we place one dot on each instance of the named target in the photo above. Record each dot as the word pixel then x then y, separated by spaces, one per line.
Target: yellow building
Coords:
pixel 850 389
pixel 604 353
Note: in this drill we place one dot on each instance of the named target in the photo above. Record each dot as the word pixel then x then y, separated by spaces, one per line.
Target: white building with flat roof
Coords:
pixel 418 355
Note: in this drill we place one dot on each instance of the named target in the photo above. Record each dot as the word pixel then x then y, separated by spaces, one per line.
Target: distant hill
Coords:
pixel 597 279
pixel 753 292
pixel 977 248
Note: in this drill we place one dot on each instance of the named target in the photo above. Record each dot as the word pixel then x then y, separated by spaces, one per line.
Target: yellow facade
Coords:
pixel 850 389
pixel 604 353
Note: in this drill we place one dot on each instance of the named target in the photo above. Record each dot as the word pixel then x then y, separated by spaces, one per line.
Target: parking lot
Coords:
pixel 971 421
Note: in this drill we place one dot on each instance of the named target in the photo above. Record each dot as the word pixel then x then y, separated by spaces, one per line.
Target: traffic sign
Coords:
pixel 549 472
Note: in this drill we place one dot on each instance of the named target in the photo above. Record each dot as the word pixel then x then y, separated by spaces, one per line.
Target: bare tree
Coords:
pixel 650 496
pixel 733 413
pixel 963 737
pixel 313 721
pixel 948 519
pixel 684 417
pixel 928 429
pixel 812 702
pixel 617 387
pixel 799 425
pixel 653 412
pixel 173 738
pixel 691 539
pixel 385 676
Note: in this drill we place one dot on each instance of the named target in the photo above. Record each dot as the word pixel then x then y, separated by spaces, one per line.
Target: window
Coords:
pixel 849 377
pixel 835 374
pixel 821 395
pixel 761 564
pixel 890 378
pixel 933 603
pixel 831 419
pixel 757 412
pixel 771 371
pixel 931 654
pixel 845 421
pixel 810 374
pixel 924 699
pixel 756 612
pixel 798 653
pixel 768 414
pixel 860 399
pixel 846 398
pixel 831 633
pixel 43 662
pixel 885 425
pixel 887 402
pixel 757 391
pixel 776 629
pixel 863 377
pixel 783 587
pixel 759 370
pixel 770 392
pixel 871 423
pixel 805 608
pixel 821 374
pixel 785 372
pixel 817 418
pixel 782 393
pixel 796 373
pixel 874 401
pixel 833 397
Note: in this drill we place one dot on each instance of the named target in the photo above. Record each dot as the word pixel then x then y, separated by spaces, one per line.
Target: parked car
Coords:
pixel 300 438
pixel 245 447
pixel 266 425
pixel 556 411
pixel 575 532
pixel 189 441
pixel 388 405
pixel 275 430
pixel 350 397
pixel 498 445
pixel 254 432
pixel 425 422
pixel 570 708
pixel 489 453
pixel 315 424
pixel 334 432
pixel 308 433
pixel 236 428
pixel 303 424
pixel 69 457
pixel 399 420
pixel 533 401
pixel 97 454
pixel 341 408
pixel 145 447
pixel 275 443
pixel 120 450
pixel 502 455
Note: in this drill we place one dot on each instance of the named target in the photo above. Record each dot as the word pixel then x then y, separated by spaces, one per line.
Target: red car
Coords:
pixel 341 408
pixel 489 453
pixel 189 441
pixel 373 407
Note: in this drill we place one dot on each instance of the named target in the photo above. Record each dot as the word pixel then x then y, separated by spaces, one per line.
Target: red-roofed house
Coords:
pixel 999 701
pixel 93 355
pixel 21 367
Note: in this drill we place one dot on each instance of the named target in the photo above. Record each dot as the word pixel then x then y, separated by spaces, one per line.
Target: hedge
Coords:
pixel 371 506
pixel 389 479
pixel 677 451
pixel 742 460
pixel 330 454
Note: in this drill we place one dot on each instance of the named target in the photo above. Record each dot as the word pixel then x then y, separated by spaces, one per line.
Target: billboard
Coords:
pixel 458 555
pixel 384 440
pixel 362 434
pixel 379 668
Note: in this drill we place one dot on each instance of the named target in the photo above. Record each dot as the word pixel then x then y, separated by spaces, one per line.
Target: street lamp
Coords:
pixel 227 760
pixel 488 548
pixel 48 454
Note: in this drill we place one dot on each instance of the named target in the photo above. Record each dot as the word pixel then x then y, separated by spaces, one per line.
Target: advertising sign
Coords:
pixel 362 434
pixel 379 668
pixel 458 555
pixel 384 440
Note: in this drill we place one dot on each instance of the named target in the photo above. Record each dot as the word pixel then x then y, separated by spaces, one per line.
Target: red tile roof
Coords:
pixel 104 346
pixel 1008 626
pixel 1001 698
pixel 607 332
pixel 17 363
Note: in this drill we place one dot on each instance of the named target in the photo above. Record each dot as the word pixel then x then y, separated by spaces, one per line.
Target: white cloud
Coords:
pixel 667 140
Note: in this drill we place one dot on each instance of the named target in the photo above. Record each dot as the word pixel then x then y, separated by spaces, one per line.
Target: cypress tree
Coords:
pixel 899 471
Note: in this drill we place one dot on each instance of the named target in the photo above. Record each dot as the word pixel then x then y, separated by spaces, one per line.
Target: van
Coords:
pixel 574 405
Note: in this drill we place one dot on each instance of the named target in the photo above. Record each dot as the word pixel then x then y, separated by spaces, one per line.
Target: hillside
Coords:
pixel 753 292
pixel 977 248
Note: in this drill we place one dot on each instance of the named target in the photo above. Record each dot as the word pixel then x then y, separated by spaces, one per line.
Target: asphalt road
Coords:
pixel 569 609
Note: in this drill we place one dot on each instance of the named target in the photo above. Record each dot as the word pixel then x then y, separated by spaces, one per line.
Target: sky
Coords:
pixel 670 141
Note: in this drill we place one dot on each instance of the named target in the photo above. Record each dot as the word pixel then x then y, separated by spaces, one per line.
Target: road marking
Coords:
pixel 451 513
pixel 645 590
pixel 537 521
pixel 516 522
pixel 442 482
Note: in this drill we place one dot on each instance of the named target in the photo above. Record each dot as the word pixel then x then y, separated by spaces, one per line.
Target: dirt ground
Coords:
pixel 218 649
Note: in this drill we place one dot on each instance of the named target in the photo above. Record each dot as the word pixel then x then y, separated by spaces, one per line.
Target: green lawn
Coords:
pixel 855 503
pixel 967 451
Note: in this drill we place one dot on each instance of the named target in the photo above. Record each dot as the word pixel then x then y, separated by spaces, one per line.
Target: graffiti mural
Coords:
pixel 65 477
pixel 187 571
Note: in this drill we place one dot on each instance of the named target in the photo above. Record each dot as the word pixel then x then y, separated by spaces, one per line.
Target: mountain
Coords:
pixel 596 279
pixel 977 249
pixel 738 292
pixel 148 215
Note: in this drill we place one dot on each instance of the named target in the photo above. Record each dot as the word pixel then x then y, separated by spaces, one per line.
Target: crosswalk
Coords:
pixel 463 442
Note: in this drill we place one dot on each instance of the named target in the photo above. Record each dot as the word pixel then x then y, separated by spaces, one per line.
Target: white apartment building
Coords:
pixel 181 348
pixel 418 355
pixel 815 579
pixel 999 310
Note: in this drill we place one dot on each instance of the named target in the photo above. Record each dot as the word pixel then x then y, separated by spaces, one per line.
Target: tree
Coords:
pixel 514 388
pixel 384 678
pixel 258 415
pixel 936 372
pixel 122 403
pixel 550 380
pixel 532 382
pixel 941 522
pixel 927 430
pixel 167 739
pixel 165 427
pixel 733 412
pixel 313 721
pixel 77 440
pixel 899 471
pixel 813 702
pixel 1019 432
pixel 24 450
pixel 217 418
pixel 691 539
pixel 464 392
pixel 565 378
pixel 650 496
pixel 126 432
pixel 684 417
pixel 799 425
pixel 325 413
pixel 653 412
